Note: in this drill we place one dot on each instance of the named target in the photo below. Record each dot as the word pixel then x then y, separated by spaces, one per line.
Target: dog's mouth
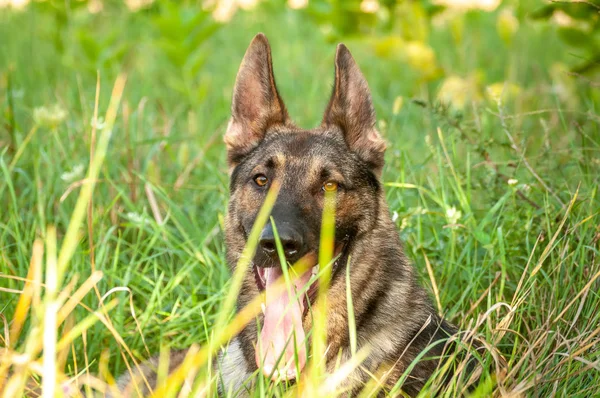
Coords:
pixel 281 348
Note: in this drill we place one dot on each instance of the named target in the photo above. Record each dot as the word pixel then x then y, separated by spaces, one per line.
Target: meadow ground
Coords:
pixel 492 176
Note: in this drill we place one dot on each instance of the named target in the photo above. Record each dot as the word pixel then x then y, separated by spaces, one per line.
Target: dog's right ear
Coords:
pixel 256 104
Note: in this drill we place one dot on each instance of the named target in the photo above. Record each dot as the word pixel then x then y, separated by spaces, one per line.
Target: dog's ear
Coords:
pixel 256 104
pixel 351 109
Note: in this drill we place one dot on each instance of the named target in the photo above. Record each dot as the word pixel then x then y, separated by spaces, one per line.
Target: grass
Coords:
pixel 497 204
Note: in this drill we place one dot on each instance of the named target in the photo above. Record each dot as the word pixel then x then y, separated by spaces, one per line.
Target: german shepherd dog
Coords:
pixel 394 316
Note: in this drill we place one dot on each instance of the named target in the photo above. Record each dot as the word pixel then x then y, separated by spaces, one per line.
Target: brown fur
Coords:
pixel 394 315
pixel 136 384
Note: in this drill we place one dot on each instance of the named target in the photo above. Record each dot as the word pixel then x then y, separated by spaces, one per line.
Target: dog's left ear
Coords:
pixel 351 109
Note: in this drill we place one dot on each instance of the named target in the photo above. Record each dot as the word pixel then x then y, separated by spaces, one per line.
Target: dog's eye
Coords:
pixel 330 186
pixel 261 180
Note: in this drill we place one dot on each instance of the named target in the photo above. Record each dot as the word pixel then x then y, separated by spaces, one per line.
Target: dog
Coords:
pixel 344 156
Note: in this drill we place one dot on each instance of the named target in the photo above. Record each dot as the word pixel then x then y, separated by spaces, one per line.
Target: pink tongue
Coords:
pixel 282 332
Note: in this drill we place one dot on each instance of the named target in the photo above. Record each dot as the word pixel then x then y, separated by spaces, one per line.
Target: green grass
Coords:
pixel 498 205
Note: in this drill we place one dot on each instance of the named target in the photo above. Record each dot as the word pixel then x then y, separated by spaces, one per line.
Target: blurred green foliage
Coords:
pixel 450 85
pixel 579 26
pixel 93 35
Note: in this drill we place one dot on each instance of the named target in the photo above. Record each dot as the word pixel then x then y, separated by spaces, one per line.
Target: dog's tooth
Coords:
pixel 263 307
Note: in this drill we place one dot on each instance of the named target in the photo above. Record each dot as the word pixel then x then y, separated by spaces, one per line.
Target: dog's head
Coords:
pixel 343 155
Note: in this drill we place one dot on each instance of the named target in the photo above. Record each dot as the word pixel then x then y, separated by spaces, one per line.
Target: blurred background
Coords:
pixel 458 51
pixel 490 108
pixel 181 58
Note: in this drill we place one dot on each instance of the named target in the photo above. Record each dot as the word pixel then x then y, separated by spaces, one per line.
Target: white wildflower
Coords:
pixel 420 211
pixel 75 174
pixel 453 215
pixel 405 223
pixel 297 4
pixel 225 10
pixel 137 218
pixel 49 117
pixel 136 5
pixel 16 4
pixel 95 6
pixel 428 140
pixel 247 4
pixel 369 6
pixel 98 123
pixel 484 5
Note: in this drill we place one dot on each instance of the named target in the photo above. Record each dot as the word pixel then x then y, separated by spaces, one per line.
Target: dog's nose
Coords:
pixel 291 241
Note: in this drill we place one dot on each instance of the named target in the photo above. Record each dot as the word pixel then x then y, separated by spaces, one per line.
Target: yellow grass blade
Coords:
pixel 319 329
pixel 350 309
pixel 49 389
pixel 332 384
pixel 78 296
pixel 26 297
pixel 246 257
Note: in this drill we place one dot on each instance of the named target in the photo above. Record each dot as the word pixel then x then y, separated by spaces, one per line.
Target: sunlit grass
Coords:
pixel 497 204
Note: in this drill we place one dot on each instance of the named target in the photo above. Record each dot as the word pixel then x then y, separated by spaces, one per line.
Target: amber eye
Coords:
pixel 261 180
pixel 330 186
